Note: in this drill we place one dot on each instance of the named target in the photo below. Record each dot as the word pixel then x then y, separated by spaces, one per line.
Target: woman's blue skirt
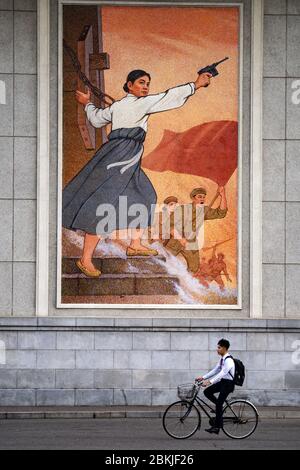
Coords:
pixel 91 200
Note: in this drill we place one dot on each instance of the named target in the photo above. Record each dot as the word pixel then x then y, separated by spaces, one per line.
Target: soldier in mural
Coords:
pixel 218 269
pixel 164 222
pixel 190 217
pixel 203 272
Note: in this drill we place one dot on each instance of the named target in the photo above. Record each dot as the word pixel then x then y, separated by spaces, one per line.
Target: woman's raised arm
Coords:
pixel 174 97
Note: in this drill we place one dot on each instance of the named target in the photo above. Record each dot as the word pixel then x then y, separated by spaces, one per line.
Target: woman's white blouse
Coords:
pixel 132 112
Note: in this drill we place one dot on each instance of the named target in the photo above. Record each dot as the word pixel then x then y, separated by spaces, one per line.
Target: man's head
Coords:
pixel 221 256
pixel 171 203
pixel 198 195
pixel 223 346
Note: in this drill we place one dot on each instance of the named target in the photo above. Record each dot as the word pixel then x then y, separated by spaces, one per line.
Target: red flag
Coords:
pixel 209 150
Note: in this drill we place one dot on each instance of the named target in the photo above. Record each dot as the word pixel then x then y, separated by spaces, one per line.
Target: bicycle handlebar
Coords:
pixel 199 382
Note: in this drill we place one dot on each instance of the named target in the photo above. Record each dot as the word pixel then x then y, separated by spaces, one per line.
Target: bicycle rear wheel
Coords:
pixel 181 420
pixel 240 419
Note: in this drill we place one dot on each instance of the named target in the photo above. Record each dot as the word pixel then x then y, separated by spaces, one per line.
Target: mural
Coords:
pixel 150 156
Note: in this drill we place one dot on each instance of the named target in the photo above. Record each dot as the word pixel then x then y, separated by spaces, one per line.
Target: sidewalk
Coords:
pixel 87 412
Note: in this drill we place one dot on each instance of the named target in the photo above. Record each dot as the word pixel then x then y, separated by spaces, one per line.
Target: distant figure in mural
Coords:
pixel 203 272
pixel 219 268
pixel 180 246
pixel 115 170
pixel 214 270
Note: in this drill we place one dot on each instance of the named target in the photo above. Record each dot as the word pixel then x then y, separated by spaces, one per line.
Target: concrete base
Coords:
pixel 122 412
pixel 130 397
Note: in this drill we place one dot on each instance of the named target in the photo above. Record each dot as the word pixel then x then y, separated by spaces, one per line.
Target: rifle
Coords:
pixel 212 69
pixel 216 244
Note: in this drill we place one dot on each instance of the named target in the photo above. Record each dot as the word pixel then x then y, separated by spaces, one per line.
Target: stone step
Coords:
pixel 126 300
pixel 119 284
pixel 111 265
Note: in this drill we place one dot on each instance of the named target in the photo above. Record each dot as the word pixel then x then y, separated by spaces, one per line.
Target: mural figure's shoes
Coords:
pixel 87 272
pixel 213 430
pixel 145 252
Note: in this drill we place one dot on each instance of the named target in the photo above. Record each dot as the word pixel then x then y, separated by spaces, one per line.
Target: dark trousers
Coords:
pixel 224 388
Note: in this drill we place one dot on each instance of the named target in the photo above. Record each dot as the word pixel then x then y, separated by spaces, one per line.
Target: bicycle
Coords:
pixel 182 419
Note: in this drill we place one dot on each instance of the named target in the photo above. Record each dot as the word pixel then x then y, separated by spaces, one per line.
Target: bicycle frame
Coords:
pixel 202 404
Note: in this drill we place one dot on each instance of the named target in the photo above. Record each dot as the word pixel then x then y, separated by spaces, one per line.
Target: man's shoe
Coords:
pixel 213 430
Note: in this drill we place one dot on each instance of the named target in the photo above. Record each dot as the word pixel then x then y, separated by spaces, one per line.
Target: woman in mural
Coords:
pixel 115 170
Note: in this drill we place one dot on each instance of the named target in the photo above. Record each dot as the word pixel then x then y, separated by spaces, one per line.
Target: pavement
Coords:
pixel 105 412
pixel 112 436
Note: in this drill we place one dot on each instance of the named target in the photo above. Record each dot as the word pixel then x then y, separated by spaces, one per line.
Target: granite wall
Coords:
pixel 85 361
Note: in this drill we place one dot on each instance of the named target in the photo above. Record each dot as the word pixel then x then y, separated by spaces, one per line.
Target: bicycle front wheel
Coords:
pixel 240 419
pixel 181 420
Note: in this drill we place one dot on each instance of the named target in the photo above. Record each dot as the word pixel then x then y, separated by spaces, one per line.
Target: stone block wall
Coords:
pixel 104 362
pixel 281 162
pixel 18 131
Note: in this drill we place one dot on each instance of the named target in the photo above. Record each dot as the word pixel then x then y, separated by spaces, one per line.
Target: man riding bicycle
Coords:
pixel 221 380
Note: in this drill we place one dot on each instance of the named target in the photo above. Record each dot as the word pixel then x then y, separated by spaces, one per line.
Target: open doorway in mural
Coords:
pixel 149 195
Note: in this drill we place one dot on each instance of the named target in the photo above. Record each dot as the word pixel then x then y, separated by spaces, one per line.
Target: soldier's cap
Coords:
pixel 198 191
pixel 170 199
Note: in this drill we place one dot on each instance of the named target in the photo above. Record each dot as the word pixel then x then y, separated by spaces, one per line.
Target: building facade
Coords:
pixel 53 356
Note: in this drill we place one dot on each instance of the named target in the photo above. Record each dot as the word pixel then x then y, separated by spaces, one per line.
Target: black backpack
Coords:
pixel 239 373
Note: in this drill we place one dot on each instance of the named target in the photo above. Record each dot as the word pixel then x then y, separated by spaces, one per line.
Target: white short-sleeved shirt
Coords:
pixel 132 111
pixel 225 369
